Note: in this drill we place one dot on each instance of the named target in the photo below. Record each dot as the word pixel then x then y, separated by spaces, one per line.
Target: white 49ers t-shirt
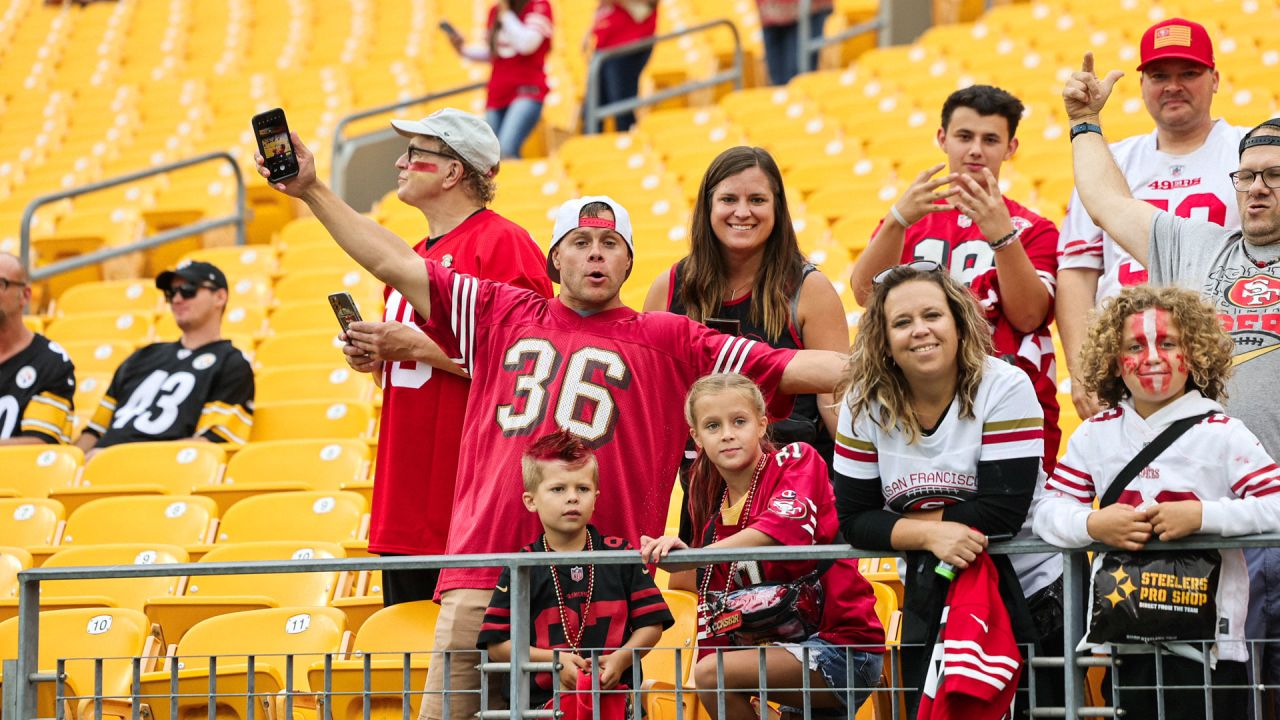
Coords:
pixel 1190 186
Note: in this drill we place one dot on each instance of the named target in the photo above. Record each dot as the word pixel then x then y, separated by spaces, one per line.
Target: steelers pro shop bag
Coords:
pixel 1153 595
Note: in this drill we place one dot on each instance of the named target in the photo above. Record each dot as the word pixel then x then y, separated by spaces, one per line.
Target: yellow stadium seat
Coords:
pixel 132 327
pixel 33 471
pixel 79 635
pixel 315 257
pixel 168 468
pixel 30 522
pixel 97 356
pixel 304 232
pixel 304 348
pixel 13 560
pixel 302 419
pixel 662 674
pixel 237 260
pixel 249 320
pixel 385 636
pixel 181 520
pixel 306 316
pixel 34 323
pixel 90 388
pixel 316 285
pixel 364 597
pixel 267 634
pixel 287 465
pixel 129 593
pixel 249 291
pixel 115 295
pixel 312 382
pixel 312 516
pixel 210 595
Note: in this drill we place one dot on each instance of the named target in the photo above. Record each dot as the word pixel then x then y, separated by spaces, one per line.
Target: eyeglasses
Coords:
pixel 186 290
pixel 412 152
pixel 1243 179
pixel 7 283
pixel 920 266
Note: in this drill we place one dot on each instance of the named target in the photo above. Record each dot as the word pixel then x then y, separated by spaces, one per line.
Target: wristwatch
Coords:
pixel 1083 128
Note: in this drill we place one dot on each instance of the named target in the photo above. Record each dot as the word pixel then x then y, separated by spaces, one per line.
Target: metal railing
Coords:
pixel 344 148
pixel 594 113
pixel 23 676
pixel 237 218
pixel 808 47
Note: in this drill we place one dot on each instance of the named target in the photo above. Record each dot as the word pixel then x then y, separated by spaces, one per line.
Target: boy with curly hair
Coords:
pixel 1156 356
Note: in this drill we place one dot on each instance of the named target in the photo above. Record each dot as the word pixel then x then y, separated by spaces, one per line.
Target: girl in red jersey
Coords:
pixel 743 493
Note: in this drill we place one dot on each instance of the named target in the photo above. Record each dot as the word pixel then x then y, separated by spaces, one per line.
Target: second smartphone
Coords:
pixel 272 133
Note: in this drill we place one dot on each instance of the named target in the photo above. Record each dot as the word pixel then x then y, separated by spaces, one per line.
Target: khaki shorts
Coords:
pixel 457 627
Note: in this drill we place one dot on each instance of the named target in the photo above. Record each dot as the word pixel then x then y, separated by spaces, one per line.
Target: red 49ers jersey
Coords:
pixel 616 379
pixel 420 434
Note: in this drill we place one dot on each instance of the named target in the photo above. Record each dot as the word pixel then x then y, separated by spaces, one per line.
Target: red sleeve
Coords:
pixel 715 352
pixel 459 305
pixel 789 512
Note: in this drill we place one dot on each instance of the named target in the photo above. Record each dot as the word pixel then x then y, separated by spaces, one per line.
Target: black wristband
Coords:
pixel 1083 128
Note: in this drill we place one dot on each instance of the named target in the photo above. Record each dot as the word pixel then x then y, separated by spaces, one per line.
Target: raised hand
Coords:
pixel 1085 95
pixel 306 177
pixel 984 204
pixel 921 197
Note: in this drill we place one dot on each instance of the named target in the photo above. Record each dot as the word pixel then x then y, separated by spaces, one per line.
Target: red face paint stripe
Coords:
pixel 423 166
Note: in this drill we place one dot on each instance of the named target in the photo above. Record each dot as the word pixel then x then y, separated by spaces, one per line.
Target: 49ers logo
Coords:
pixel 1258 291
pixel 788 505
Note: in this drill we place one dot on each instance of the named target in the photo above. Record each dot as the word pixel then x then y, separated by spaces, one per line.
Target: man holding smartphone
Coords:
pixel 447 173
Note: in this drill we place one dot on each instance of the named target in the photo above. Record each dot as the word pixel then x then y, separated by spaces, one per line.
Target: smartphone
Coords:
pixel 344 306
pixel 728 326
pixel 272 133
pixel 450 30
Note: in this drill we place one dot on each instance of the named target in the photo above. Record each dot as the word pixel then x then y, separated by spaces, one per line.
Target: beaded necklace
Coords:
pixel 742 521
pixel 1260 264
pixel 573 640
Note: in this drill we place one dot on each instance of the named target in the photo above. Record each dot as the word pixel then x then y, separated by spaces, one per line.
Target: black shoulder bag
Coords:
pixel 1153 595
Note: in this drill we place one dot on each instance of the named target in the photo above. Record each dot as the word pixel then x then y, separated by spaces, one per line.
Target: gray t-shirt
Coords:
pixel 1201 256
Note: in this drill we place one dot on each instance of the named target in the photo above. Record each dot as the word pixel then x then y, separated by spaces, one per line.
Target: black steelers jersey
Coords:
pixel 36 387
pixel 167 392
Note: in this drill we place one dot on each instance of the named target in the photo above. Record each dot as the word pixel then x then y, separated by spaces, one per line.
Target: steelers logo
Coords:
pixel 26 377
pixel 204 361
pixel 1123 589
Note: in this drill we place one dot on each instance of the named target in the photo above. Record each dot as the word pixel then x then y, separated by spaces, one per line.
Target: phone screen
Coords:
pixel 272 133
pixel 344 307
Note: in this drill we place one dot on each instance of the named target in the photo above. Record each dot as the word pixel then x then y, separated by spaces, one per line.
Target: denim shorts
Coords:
pixel 834 661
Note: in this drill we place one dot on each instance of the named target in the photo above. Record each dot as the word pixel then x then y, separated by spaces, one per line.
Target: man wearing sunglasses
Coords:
pixel 37 380
pixel 1238 271
pixel 199 386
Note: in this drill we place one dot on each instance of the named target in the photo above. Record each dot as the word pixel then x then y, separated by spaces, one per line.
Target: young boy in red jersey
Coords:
pixel 581 611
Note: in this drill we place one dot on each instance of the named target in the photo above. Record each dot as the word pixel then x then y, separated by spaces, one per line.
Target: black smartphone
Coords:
pixel 344 306
pixel 272 133
pixel 728 326
pixel 450 30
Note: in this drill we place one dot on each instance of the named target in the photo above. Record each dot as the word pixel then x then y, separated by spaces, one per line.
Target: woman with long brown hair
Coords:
pixel 939 447
pixel 745 275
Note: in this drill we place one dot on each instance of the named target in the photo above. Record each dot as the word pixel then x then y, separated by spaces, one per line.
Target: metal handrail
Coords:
pixel 340 142
pixel 806 47
pixel 21 695
pixel 87 259
pixel 593 114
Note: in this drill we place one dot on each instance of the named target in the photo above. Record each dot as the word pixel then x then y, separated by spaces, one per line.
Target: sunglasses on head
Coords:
pixel 186 290
pixel 921 266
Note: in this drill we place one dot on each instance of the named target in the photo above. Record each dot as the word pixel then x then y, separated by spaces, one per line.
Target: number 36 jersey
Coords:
pixel 617 379
pixel 167 392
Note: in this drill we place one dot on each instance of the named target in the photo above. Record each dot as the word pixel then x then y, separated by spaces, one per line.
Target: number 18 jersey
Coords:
pixel 617 379
pixel 167 392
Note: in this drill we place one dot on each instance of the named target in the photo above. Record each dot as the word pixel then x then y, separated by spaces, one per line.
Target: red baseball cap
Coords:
pixel 1177 38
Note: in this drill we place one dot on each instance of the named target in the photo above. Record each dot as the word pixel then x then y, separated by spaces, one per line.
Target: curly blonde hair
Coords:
pixel 871 375
pixel 1205 346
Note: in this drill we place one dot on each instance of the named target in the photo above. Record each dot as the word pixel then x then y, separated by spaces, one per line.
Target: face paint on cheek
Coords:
pixel 423 166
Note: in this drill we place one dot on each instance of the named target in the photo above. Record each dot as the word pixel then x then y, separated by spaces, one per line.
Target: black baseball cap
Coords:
pixel 196 272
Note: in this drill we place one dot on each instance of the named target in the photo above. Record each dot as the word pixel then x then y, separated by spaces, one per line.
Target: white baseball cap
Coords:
pixel 466 134
pixel 569 218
